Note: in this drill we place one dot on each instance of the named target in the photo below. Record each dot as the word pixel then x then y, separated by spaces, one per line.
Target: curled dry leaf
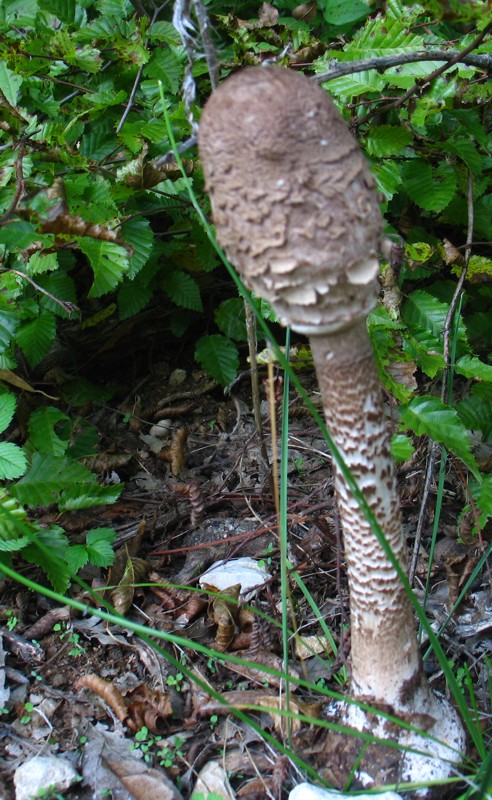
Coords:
pixel 140 707
pixel 223 610
pixel 122 595
pixel 109 693
pixel 175 453
pixel 150 707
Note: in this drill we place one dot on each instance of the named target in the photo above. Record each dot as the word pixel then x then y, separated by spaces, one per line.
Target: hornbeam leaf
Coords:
pixel 429 416
pixel 430 188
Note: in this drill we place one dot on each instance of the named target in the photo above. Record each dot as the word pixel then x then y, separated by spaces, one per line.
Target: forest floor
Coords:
pixel 198 492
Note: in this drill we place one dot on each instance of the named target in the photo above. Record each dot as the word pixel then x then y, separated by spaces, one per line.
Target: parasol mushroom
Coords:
pixel 296 211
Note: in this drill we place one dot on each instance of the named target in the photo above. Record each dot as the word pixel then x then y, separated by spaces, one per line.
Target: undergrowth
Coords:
pixel 95 230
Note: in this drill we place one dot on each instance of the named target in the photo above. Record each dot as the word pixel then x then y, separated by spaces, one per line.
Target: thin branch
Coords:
pixel 66 305
pixel 382 63
pixel 420 83
pixel 136 82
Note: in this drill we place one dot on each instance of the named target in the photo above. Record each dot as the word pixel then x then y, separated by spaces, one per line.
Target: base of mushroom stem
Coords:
pixel 348 758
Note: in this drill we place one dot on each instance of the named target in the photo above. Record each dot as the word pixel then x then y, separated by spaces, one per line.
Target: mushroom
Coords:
pixel 296 211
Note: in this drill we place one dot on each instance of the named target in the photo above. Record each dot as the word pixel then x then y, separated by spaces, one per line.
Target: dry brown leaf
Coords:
pixel 109 693
pixel 149 707
pixel 122 595
pixel 142 782
pixel 223 610
pixel 175 453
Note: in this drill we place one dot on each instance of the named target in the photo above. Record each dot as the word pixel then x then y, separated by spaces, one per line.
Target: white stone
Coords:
pixel 42 774
pixel 305 791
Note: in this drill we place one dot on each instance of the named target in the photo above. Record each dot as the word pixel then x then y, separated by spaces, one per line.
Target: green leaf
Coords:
pixel 183 290
pixel 431 188
pixel 429 416
pixel 401 447
pixel 387 140
pixel 49 552
pixel 99 546
pixel 427 314
pixel 218 356
pixel 18 234
pixel 76 557
pixel 476 414
pixel 342 12
pixel 229 317
pixel 165 65
pixel 109 262
pixel 76 497
pixel 10 84
pixel 46 479
pixel 7 409
pixel 13 462
pixel 64 10
pixel 36 337
pixel 43 436
pixel 132 297
pixel 138 233
pixel 472 367
pixel 8 324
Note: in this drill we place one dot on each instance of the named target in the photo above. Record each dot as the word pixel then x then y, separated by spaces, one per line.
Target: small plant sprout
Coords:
pixel 296 211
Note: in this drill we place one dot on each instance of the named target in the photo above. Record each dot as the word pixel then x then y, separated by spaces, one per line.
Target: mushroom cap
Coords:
pixel 293 200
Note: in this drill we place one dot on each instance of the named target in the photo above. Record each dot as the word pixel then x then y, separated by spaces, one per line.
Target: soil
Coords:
pixel 128 715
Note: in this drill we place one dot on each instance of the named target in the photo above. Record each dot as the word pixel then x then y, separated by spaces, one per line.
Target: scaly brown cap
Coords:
pixel 293 200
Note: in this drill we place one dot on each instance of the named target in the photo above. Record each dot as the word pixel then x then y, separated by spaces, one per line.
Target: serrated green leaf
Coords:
pixel 63 9
pixel 43 436
pixel 166 66
pixel 8 324
pixel 132 297
pixel 431 188
pixel 341 12
pixel 49 552
pixel 387 140
pixel 476 414
pixel 138 233
pixel 218 356
pixel 482 494
pixel 109 262
pixel 10 84
pixel 472 367
pixel 13 462
pixel 74 498
pixel 7 409
pixel 401 447
pixel 427 314
pixel 42 262
pixel 47 477
pixel 183 290
pixel 99 546
pixel 230 318
pixel 76 557
pixel 18 234
pixel 429 416
pixel 36 337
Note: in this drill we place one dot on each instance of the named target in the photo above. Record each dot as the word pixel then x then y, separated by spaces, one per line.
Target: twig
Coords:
pixel 420 83
pixel 382 63
pixel 66 305
pixel 136 82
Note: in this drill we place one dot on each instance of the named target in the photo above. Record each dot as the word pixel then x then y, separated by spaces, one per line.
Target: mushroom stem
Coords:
pixel 385 657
